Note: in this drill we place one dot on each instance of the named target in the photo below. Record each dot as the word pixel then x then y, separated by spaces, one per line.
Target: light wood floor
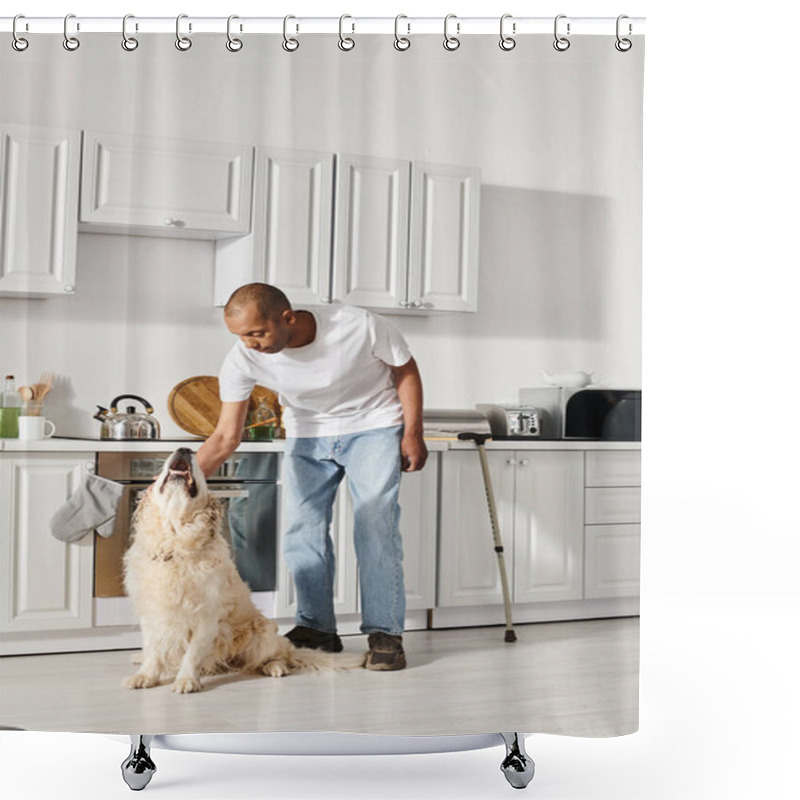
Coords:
pixel 570 678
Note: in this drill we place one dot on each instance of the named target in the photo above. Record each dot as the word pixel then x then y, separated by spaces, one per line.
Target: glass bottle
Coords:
pixel 9 409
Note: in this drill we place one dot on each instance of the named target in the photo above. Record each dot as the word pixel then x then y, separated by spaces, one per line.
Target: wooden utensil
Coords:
pixel 194 404
pixel 270 421
pixel 44 385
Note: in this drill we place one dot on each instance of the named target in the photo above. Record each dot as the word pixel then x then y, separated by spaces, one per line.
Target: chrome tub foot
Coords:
pixel 138 768
pixel 518 766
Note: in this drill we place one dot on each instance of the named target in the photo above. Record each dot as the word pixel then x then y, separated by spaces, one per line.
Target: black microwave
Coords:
pixel 610 414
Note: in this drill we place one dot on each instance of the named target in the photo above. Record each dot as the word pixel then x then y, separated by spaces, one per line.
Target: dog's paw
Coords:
pixel 140 681
pixel 186 685
pixel 275 669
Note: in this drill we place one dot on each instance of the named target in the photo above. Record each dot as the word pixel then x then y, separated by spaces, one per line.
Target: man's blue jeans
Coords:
pixel 312 470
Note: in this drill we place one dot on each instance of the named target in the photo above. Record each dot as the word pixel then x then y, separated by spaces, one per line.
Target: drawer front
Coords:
pixel 613 468
pixel 612 561
pixel 612 505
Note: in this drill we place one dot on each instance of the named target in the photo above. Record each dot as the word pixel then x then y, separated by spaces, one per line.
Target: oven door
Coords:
pixel 250 525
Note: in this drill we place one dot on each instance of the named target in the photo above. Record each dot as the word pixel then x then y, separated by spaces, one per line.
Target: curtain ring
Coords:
pixel 451 42
pixel 182 42
pixel 290 44
pixel 561 43
pixel 18 43
pixel 623 45
pixel 401 42
pixel 233 44
pixel 129 43
pixel 507 42
pixel 346 42
pixel 70 42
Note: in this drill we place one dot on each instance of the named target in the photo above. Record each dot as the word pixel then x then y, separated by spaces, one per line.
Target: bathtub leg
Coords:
pixel 138 767
pixel 518 766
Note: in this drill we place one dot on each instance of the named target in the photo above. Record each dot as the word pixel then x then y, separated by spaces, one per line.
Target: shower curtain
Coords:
pixel 480 192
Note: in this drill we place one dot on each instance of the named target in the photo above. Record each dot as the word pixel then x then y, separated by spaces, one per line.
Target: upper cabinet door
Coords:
pixel 293 235
pixel 290 246
pixel 39 174
pixel 443 265
pixel 136 184
pixel 371 231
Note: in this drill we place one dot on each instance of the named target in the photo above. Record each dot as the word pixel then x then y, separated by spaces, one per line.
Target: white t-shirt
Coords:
pixel 340 383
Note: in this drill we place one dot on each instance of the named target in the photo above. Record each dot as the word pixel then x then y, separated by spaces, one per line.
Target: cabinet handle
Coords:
pixel 512 462
pixel 524 462
pixel 418 304
pixel 90 466
pixel 327 299
pixel 403 303
pixel 174 223
pixel 69 288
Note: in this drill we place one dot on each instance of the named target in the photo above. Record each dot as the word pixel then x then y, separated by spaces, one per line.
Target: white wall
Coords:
pixel 557 137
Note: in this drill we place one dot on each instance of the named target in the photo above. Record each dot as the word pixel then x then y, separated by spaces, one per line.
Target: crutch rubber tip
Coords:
pixel 511 636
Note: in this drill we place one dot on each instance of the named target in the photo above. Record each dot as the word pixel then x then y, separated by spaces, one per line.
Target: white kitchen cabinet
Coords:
pixel 612 561
pixel 613 468
pixel 612 531
pixel 290 243
pixel 47 584
pixel 418 526
pixel 406 235
pixel 388 234
pixel 468 569
pixel 548 526
pixel 39 180
pixel 539 497
pixel 443 251
pixel 370 256
pixel 165 187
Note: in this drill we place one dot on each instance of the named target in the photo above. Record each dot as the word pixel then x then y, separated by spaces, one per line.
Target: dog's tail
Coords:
pixel 319 660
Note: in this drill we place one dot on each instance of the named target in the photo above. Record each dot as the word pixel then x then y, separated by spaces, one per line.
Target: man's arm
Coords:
pixel 226 437
pixel 409 390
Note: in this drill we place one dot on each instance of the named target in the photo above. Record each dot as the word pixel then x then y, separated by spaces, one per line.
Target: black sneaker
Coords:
pixel 301 636
pixel 385 652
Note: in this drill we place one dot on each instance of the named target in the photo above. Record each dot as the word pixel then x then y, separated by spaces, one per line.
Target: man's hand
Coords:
pixel 414 453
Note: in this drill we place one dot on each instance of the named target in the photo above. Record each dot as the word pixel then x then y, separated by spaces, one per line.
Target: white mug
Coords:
pixel 35 428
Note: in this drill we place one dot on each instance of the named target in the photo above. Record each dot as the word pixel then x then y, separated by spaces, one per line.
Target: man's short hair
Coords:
pixel 270 301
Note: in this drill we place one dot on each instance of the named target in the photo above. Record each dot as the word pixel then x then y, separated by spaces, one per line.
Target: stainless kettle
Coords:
pixel 130 425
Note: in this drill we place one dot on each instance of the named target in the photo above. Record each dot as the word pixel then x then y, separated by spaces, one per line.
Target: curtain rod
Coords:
pixel 462 26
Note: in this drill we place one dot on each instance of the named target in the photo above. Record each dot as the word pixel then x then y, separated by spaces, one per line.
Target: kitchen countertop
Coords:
pixel 78 445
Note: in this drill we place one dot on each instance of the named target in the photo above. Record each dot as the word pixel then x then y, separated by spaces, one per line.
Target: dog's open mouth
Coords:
pixel 181 470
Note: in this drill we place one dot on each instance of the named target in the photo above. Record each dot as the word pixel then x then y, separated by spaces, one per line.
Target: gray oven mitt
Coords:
pixel 92 506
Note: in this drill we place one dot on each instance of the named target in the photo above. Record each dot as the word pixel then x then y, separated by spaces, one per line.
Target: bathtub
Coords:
pixel 138 768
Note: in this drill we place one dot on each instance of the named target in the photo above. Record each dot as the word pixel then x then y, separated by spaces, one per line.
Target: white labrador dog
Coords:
pixel 196 613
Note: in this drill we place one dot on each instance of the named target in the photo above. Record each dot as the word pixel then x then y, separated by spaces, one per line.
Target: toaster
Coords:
pixel 518 421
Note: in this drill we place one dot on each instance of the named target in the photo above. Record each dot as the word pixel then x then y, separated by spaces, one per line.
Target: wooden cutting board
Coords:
pixel 194 404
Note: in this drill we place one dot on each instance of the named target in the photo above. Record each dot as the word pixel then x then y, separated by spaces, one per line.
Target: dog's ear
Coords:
pixel 146 514
pixel 142 502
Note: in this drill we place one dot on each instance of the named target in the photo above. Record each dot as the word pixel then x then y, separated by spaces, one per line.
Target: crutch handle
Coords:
pixel 478 438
